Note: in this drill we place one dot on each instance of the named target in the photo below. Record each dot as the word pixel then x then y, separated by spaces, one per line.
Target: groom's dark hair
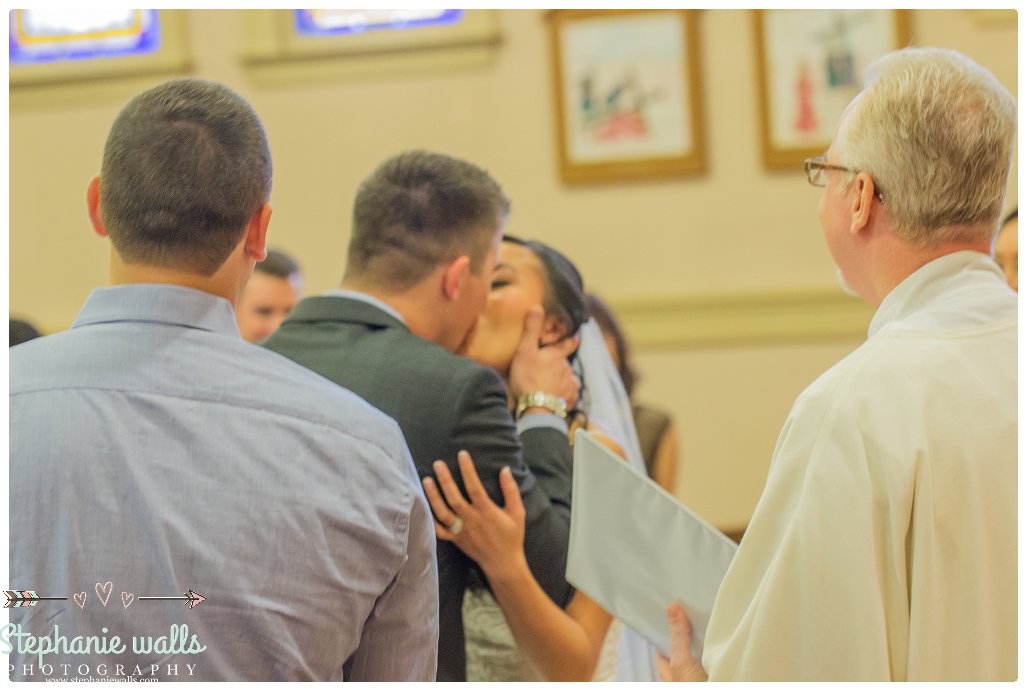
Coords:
pixel 418 210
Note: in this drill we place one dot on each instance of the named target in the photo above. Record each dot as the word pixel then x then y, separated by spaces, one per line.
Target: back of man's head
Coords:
pixel 417 211
pixel 935 132
pixel 278 265
pixel 186 165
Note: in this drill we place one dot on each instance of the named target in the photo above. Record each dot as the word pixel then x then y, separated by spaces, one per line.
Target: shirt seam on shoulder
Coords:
pixel 246 405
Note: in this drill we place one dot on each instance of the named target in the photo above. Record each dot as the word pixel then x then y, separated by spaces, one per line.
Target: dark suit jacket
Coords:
pixel 443 403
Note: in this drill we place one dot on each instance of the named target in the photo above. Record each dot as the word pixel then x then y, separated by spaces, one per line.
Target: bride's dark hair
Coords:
pixel 564 289
pixel 565 300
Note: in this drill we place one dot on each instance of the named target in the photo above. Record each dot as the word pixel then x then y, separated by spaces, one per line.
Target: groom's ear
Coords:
pixel 453 277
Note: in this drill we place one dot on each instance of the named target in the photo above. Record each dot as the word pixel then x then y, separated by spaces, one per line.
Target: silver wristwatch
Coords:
pixel 541 399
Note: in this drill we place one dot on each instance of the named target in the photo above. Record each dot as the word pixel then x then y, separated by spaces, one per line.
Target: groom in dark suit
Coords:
pixel 426 233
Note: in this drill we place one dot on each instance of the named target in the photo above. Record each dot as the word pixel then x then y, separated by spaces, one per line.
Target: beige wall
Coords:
pixel 655 249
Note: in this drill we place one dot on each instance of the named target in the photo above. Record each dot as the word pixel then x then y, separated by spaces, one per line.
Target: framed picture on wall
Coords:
pixel 809 66
pixel 627 93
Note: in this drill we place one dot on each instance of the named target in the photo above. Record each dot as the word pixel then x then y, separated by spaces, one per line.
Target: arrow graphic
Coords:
pixel 192 598
pixel 25 598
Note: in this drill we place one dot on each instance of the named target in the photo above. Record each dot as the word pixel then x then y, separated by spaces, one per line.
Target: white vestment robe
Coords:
pixel 884 545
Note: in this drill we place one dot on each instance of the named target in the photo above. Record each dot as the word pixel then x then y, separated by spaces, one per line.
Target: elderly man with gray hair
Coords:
pixel 884 545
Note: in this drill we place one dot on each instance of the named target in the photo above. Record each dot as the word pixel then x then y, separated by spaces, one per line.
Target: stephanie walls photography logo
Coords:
pixel 52 656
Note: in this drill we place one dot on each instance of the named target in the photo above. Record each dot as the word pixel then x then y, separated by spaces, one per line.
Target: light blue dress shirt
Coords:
pixel 152 451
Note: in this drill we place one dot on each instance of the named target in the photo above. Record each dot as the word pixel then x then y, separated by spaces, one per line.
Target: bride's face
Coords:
pixel 517 286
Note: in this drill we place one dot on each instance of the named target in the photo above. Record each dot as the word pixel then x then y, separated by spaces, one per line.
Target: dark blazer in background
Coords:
pixel 443 403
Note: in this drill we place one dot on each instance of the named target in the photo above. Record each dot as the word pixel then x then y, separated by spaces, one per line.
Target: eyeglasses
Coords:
pixel 817 169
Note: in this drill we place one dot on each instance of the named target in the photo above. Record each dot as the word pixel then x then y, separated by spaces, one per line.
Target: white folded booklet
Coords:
pixel 635 549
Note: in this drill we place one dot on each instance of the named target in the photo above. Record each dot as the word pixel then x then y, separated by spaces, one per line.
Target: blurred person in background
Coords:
pixel 270 294
pixel 656 433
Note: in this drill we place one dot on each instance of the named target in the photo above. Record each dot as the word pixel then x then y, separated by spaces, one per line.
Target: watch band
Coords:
pixel 541 399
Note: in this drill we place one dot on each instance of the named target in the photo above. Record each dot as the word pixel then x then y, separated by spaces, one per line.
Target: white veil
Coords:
pixel 608 407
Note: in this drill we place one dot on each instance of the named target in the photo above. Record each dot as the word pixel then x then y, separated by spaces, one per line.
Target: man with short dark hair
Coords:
pixel 426 232
pixel 270 294
pixel 157 459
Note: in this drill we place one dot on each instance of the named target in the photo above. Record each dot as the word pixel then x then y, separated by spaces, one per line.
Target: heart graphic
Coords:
pixel 126 598
pixel 80 599
pixel 104 592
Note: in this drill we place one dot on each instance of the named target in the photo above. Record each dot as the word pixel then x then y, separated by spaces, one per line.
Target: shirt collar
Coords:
pixel 158 303
pixel 930 280
pixel 369 299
